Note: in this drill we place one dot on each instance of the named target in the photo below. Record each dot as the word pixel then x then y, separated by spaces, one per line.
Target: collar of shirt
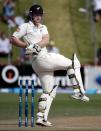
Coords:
pixel 31 23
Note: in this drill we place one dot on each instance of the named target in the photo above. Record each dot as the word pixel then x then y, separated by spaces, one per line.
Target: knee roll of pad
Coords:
pixel 71 75
pixel 42 102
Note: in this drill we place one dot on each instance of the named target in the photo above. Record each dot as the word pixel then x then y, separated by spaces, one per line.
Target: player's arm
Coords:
pixel 17 42
pixel 45 37
pixel 44 41
pixel 35 48
pixel 17 35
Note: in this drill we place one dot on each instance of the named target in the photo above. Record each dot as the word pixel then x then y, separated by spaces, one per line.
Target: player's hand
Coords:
pixel 33 49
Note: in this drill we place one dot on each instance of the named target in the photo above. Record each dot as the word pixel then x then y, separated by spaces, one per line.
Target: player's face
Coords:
pixel 37 19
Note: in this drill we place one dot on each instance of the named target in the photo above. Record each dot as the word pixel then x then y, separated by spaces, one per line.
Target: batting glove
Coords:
pixel 33 49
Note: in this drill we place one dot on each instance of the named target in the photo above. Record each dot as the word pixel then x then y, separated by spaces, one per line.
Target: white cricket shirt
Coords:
pixel 30 33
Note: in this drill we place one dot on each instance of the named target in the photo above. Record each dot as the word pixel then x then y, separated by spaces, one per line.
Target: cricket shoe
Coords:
pixel 41 122
pixel 85 98
pixel 80 97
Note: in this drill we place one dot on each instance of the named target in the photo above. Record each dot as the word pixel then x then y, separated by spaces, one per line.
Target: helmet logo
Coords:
pixel 38 8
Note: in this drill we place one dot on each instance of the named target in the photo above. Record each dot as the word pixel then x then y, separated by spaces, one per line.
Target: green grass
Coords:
pixel 63 105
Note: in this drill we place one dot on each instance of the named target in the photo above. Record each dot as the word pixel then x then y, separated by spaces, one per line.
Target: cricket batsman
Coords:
pixel 35 38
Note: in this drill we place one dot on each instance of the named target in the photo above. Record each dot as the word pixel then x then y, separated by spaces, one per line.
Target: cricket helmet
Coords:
pixel 35 9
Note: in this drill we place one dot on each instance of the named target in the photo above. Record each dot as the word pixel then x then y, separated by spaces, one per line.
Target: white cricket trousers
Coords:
pixel 45 64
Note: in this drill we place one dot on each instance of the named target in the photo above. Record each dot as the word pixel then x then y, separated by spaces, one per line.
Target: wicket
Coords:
pixel 26 103
pixel 20 104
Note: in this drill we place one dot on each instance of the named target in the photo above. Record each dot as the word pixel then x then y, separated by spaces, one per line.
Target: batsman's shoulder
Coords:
pixel 43 26
pixel 24 25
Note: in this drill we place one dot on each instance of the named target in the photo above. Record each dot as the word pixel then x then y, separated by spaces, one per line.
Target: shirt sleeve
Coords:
pixel 44 30
pixel 21 31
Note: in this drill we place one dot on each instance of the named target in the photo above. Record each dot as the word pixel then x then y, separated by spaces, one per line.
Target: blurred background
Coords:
pixel 74 26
